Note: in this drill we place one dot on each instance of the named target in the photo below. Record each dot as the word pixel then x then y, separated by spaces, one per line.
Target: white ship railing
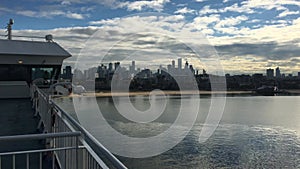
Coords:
pixel 53 119
pixel 43 158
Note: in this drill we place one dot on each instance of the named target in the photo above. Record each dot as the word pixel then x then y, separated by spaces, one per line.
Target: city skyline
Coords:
pixel 102 77
pixel 128 67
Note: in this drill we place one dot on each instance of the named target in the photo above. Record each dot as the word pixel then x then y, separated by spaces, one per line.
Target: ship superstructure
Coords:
pixel 35 132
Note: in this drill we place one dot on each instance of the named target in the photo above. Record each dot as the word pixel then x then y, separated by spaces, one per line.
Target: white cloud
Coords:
pixel 281 33
pixel 27 13
pixel 204 24
pixel 254 20
pixel 157 5
pixel 270 4
pixel 206 20
pixel 50 14
pixel 105 22
pixel 287 12
pixel 2 9
pixel 207 10
pixel 66 2
pixel 74 15
pixel 110 3
pixel 200 0
pixel 182 5
pixel 250 5
pixel 171 18
pixel 236 8
pixel 231 21
pixel 185 10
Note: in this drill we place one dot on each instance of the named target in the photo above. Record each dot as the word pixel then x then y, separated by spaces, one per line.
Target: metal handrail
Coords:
pixel 88 138
pixel 116 162
pixel 40 136
pixel 39 151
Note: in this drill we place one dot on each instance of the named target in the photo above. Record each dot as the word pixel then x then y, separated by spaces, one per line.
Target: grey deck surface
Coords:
pixel 17 118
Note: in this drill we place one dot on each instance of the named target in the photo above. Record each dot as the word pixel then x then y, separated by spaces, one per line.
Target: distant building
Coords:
pixel 146 73
pixel 117 64
pixel 258 76
pixel 132 67
pixel 270 73
pixel 169 67
pixel 192 69
pixel 173 64
pixel 278 74
pixel 298 74
pixel 66 74
pixel 179 63
pixel 110 67
pixel 186 66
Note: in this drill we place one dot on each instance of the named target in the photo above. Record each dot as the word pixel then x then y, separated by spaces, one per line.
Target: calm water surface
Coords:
pixel 254 132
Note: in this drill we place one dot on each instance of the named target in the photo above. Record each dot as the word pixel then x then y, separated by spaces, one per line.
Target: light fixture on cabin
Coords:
pixel 20 61
pixel 49 38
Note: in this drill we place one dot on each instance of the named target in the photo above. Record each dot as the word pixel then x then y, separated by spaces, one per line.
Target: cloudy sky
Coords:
pixel 248 36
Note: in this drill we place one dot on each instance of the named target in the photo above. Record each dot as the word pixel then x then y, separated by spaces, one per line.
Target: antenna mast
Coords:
pixel 9 28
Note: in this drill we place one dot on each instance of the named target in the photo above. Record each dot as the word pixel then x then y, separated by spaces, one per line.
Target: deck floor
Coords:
pixel 17 118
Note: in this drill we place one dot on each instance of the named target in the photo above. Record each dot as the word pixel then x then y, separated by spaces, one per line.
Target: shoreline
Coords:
pixel 160 92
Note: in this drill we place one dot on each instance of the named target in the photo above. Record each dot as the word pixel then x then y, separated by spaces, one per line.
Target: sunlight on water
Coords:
pixel 255 132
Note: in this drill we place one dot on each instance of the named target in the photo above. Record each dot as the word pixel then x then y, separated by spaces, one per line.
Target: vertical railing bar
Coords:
pixel 41 163
pixel 70 151
pixel 90 165
pixel 27 160
pixel 65 159
pixel 0 162
pixel 88 160
pixel 14 161
pixel 93 162
pixel 77 146
pixel 53 160
pixel 83 157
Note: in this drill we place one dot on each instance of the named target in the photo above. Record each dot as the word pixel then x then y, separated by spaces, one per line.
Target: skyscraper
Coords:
pixel 278 74
pixel 110 67
pixel 270 73
pixel 132 67
pixel 169 68
pixel 186 66
pixel 117 64
pixel 179 63
pixel 173 64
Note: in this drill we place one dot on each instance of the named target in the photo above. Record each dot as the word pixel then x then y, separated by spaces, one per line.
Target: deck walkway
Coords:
pixel 17 118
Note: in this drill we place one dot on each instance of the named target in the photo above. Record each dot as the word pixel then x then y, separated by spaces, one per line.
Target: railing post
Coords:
pixel 77 151
pixel 14 161
pixel 27 161
pixel 41 161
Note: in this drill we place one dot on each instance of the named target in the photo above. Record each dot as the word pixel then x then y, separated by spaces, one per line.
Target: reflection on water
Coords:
pixel 255 132
pixel 231 146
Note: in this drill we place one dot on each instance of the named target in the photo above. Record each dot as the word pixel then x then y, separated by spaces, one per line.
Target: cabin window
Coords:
pixel 45 73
